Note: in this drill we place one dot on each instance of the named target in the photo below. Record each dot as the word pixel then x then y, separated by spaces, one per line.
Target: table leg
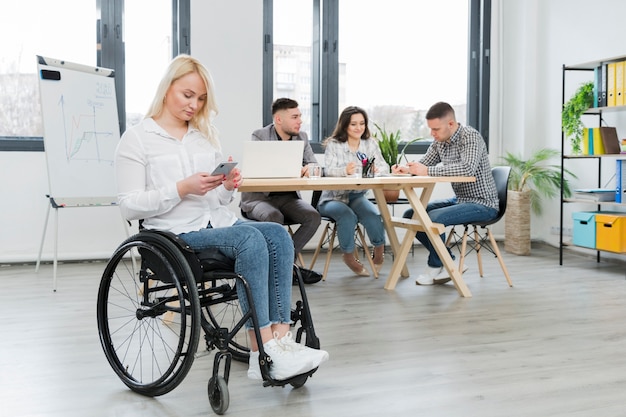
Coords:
pixel 399 262
pixel 419 213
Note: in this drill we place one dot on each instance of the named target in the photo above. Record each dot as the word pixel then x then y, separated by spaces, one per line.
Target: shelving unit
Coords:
pixel 599 111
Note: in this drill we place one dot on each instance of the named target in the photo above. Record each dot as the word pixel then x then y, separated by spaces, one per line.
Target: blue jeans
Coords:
pixel 448 212
pixel 263 254
pixel 359 209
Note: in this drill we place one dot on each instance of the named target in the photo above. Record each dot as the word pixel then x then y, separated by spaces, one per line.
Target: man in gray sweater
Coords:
pixel 286 207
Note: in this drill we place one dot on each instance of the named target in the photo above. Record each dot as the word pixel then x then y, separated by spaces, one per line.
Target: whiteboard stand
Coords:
pixel 53 204
pixel 81 133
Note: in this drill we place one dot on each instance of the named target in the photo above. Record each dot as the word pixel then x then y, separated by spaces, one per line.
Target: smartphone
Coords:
pixel 224 168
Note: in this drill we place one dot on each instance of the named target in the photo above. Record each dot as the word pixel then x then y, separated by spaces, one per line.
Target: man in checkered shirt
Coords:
pixel 456 151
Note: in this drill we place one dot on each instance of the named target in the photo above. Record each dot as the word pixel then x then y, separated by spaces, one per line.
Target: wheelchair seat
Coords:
pixel 214 260
pixel 155 296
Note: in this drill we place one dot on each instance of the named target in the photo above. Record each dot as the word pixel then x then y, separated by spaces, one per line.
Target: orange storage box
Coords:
pixel 611 232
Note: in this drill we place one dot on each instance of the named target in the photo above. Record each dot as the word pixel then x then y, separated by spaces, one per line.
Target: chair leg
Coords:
pixel 449 238
pixel 319 245
pixel 368 254
pixel 479 256
pixel 329 254
pixel 497 251
pixel 463 249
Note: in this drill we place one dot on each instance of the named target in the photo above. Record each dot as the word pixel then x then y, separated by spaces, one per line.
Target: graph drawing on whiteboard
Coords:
pixel 81 131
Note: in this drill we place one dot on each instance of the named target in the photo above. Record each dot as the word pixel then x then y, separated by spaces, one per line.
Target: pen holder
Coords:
pixel 368 170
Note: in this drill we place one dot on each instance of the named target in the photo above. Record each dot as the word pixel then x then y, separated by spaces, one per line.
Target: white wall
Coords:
pixel 532 39
pixel 84 233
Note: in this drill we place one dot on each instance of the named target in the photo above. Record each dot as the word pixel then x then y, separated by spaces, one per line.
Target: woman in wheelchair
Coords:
pixel 164 174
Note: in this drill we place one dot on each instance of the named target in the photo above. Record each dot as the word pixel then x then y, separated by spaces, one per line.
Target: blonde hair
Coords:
pixel 202 120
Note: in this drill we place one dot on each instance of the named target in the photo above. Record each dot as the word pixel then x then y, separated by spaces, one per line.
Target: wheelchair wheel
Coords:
pixel 219 397
pixel 148 314
pixel 227 315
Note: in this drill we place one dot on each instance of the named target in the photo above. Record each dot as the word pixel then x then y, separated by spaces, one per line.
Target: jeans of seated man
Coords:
pixel 450 212
pixel 288 208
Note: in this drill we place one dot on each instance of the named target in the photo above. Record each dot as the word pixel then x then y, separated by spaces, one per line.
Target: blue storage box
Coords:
pixel 584 231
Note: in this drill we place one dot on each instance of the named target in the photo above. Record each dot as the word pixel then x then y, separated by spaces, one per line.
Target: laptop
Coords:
pixel 272 158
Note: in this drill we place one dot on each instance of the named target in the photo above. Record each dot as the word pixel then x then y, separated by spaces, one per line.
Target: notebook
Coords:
pixel 272 159
pixel 610 140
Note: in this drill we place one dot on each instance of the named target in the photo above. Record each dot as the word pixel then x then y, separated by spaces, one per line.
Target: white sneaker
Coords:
pixel 436 276
pixel 254 370
pixel 286 363
pixel 428 277
pixel 316 356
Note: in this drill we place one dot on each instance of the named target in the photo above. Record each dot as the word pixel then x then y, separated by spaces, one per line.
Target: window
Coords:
pixel 292 55
pixel 384 56
pixel 137 52
pixel 409 56
pixel 148 51
pixel 29 28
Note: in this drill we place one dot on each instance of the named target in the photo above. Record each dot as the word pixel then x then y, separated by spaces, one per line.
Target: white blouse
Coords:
pixel 148 164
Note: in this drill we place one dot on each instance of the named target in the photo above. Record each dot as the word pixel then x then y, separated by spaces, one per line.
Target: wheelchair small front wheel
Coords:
pixel 218 394
pixel 299 381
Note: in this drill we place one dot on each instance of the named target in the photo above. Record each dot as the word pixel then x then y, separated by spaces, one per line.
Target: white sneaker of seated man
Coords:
pixel 437 275
pixel 289 358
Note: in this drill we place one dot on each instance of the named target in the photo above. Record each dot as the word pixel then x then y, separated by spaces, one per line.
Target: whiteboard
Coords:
pixel 81 131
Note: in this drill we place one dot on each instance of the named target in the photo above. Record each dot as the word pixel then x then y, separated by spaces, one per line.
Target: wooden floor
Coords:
pixel 553 345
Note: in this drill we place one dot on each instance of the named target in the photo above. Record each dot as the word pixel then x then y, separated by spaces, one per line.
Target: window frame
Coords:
pixel 325 74
pixel 325 61
pixel 110 54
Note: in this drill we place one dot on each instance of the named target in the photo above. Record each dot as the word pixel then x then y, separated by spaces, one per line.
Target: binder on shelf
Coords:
pixel 598 146
pixel 603 69
pixel 620 181
pixel 610 84
pixel 599 86
pixel 619 84
pixel 596 86
pixel 610 140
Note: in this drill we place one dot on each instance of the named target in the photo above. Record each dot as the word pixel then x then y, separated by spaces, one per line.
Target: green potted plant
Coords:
pixel 388 143
pixel 530 180
pixel 575 107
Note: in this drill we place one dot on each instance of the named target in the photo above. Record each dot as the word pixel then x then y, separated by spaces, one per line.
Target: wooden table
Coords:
pixel 420 221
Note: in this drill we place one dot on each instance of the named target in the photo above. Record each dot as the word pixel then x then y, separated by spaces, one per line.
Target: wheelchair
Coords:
pixel 156 295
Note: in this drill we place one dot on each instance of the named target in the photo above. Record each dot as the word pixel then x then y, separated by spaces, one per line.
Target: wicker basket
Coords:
pixel 517 223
